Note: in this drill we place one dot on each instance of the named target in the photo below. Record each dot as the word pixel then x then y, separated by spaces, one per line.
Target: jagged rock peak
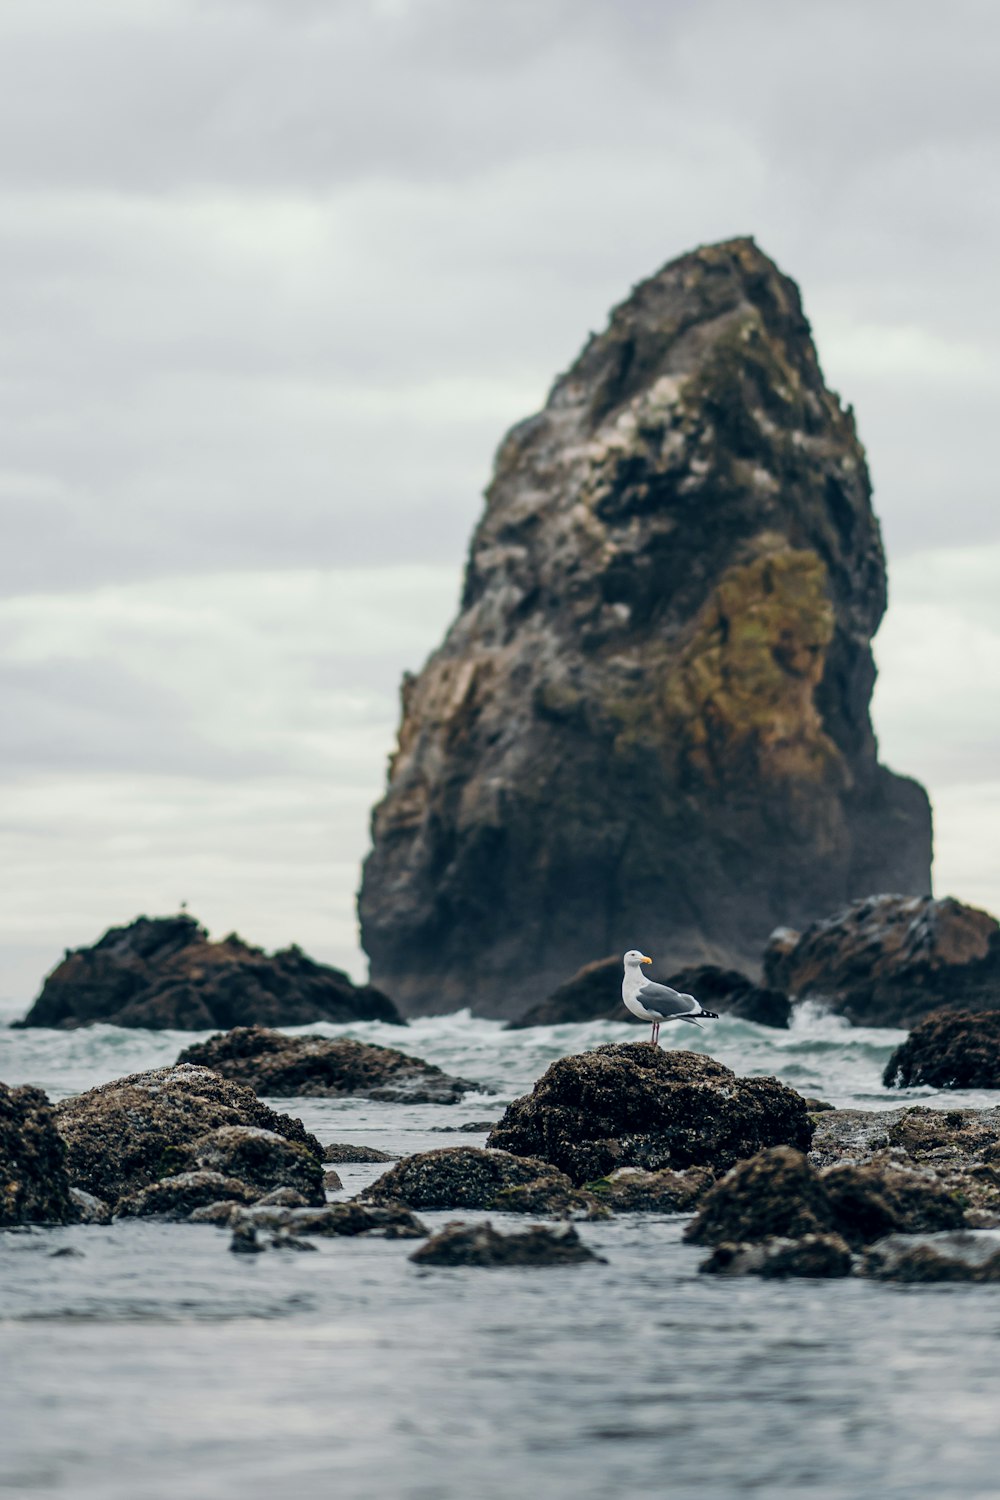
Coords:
pixel 649 722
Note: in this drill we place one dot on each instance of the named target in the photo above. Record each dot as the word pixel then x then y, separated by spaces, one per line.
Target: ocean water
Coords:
pixel 152 1363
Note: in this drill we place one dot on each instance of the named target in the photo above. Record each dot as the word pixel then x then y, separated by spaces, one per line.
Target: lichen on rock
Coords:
pixel 649 721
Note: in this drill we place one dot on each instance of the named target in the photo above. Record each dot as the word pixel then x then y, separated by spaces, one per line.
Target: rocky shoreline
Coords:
pixel 768 1187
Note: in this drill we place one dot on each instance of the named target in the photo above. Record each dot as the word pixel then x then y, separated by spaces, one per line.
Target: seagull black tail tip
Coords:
pixel 713 1015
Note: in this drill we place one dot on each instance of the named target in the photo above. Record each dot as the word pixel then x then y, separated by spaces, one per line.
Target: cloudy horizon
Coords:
pixel 278 275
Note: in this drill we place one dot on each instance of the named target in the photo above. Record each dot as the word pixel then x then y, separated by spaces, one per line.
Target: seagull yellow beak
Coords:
pixel 645 960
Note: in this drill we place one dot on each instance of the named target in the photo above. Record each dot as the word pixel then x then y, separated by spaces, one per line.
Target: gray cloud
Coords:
pixel 275 276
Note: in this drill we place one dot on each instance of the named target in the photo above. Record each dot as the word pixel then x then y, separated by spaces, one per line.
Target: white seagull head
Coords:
pixel 634 957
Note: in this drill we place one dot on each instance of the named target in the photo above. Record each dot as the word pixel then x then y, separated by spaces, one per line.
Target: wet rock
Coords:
pixel 126 1134
pixel 66 1252
pixel 817 1255
pixel 283 1197
pixel 390 1221
pixel 776 1194
pixel 636 1105
pixel 481 1245
pixel 890 960
pixel 462 1177
pixel 631 1190
pixel 342 1153
pixel 34 1185
pixel 651 715
pixel 780 1194
pixel 960 1137
pixel 550 1197
pixel 332 1181
pixel 816 1106
pixel 90 1210
pixel 163 972
pixel 949 1050
pixel 964 1256
pixel 874 1200
pixel 177 1197
pixel 285 1066
pixel 261 1158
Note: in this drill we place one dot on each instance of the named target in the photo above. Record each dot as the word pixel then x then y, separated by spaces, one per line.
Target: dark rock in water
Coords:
pixel 817 1106
pixel 631 1190
pixel 390 1221
pixel 34 1184
pixel 650 720
pixel 467 1177
pixel 246 1241
pixel 595 994
pixel 779 1193
pixel 177 1197
pixel 124 1135
pixel 964 1256
pixel 775 1194
pixel 949 1050
pixel 635 1105
pixel 818 1255
pixel 481 1245
pixel 163 973
pixel 261 1158
pixel 890 960
pixel 332 1180
pixel 286 1066
pixel 342 1153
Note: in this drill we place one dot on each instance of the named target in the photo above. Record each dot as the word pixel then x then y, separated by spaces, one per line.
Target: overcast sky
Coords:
pixel 275 276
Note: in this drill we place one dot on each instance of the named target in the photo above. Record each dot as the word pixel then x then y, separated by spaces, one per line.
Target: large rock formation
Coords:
pixel 164 973
pixel 649 722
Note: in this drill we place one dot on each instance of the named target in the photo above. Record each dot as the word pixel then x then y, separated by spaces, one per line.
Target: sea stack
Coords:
pixel 649 722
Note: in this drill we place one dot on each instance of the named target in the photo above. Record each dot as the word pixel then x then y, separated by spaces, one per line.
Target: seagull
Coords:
pixel 657 1002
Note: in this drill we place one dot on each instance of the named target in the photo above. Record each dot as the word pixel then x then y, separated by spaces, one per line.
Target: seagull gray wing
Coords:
pixel 667 1002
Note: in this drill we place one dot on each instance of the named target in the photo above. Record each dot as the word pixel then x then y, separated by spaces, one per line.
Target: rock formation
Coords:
pixel 285 1067
pixel 34 1186
pixel 649 722
pixel 890 960
pixel 949 1050
pixel 163 973
pixel 634 1105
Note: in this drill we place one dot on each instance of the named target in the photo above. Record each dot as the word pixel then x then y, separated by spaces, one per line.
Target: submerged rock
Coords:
pixel 287 1066
pixel 949 1050
pixel 651 715
pixel 780 1194
pixel 818 1255
pixel 481 1245
pixel 34 1185
pixel 124 1135
pixel 163 973
pixel 636 1105
pixel 889 960
pixel 342 1153
pixel 467 1177
pixel 965 1256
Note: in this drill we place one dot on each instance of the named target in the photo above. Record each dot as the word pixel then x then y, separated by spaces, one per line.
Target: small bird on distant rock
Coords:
pixel 657 1003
